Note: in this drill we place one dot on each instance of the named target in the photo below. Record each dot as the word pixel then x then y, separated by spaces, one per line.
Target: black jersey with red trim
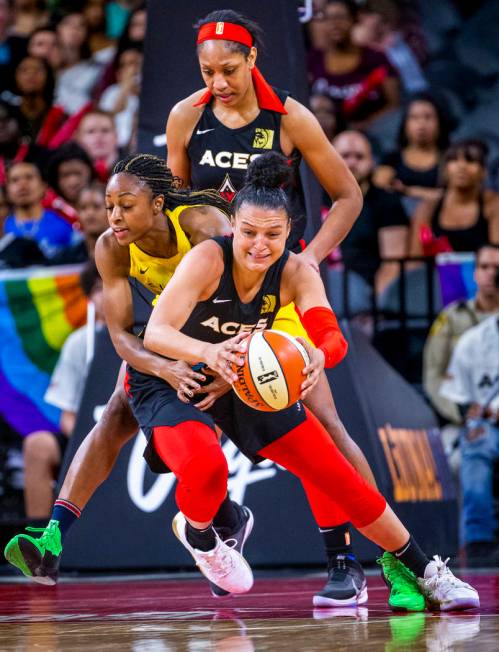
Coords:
pixel 224 315
pixel 220 156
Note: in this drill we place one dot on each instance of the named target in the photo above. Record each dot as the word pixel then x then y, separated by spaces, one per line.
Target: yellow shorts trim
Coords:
pixel 287 320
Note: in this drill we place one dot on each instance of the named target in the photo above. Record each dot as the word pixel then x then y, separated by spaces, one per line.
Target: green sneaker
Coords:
pixel 405 594
pixel 38 558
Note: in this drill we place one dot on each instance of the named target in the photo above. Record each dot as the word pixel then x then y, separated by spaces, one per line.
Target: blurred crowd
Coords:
pixel 385 89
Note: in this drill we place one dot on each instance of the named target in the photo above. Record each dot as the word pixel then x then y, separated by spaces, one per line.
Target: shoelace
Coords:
pixel 444 578
pixel 49 537
pixel 339 566
pixel 219 562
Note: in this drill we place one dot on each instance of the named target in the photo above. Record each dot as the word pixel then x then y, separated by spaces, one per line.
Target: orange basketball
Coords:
pixel 271 376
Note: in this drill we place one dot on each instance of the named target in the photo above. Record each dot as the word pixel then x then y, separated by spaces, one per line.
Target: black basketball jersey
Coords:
pixel 220 156
pixel 224 315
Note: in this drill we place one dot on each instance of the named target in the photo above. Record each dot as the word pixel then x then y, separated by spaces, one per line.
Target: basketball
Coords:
pixel 271 376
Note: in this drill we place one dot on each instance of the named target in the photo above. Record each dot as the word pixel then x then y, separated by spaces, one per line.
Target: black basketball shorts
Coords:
pixel 155 403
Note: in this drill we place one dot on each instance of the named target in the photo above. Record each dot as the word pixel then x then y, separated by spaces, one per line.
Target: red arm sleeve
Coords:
pixel 323 329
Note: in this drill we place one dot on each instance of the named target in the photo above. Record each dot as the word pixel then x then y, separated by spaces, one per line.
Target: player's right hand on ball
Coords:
pixel 220 357
pixel 182 378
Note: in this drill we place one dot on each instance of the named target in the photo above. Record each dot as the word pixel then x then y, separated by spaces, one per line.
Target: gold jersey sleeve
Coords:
pixel 154 273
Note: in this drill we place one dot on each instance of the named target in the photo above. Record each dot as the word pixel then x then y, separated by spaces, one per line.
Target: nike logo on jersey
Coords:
pixel 217 300
pixel 144 270
pixel 204 131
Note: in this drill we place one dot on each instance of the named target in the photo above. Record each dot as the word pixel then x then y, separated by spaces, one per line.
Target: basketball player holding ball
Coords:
pixel 226 281
pixel 211 138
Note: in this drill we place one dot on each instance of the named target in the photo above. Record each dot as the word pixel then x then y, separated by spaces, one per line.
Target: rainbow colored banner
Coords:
pixel 39 308
pixel 455 274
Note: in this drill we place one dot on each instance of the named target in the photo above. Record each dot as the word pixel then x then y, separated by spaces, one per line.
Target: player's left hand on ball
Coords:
pixel 313 370
pixel 220 357
pixel 217 388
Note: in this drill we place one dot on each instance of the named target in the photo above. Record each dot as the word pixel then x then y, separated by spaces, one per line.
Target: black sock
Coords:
pixel 413 557
pixel 337 540
pixel 227 515
pixel 66 514
pixel 201 539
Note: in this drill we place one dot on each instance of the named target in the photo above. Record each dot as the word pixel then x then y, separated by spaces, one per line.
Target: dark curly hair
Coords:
pixel 153 172
pixel 443 119
pixel 264 184
pixel 230 16
pixel 70 151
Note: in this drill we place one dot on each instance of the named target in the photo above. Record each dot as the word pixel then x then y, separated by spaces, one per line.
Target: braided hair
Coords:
pixel 153 172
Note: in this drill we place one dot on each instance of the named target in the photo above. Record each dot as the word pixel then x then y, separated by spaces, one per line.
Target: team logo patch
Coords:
pixel 264 138
pixel 227 189
pixel 268 303
pixel 219 29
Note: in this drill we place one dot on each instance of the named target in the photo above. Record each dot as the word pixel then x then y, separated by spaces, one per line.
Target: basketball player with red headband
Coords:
pixel 212 136
pixel 226 281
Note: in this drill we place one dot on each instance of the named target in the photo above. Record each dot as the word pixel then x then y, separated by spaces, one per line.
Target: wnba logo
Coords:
pixel 264 138
pixel 219 29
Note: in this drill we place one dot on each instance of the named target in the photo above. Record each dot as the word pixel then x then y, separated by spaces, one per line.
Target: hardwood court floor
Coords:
pixel 173 615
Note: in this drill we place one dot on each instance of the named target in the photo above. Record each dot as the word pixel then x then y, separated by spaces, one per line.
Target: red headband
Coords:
pixel 225 31
pixel 266 96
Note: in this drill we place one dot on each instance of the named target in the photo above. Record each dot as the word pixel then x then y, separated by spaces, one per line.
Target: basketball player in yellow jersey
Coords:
pixel 152 226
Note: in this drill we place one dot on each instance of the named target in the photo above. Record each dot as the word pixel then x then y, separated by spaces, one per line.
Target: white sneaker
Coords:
pixel 444 591
pixel 223 565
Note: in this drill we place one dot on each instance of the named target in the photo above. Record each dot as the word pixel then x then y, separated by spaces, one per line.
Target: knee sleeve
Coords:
pixel 191 450
pixel 309 453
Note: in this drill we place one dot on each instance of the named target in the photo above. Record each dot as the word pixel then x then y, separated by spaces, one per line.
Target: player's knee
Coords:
pixel 207 472
pixel 117 420
pixel 40 447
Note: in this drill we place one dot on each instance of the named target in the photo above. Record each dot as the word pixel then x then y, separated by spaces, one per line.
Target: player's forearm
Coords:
pixel 167 341
pixel 131 349
pixel 336 226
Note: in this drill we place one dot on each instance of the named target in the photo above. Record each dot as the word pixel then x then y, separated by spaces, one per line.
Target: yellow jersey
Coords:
pixel 154 273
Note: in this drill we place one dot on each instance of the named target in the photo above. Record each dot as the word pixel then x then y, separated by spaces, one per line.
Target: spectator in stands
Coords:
pixel 43 450
pixel 28 15
pixel 101 46
pixel 382 228
pixel 323 107
pixel 12 47
pixel 119 13
pixel 450 324
pixel 25 190
pixel 466 217
pixel 70 169
pixel 12 146
pixel 43 44
pixel 378 28
pixel 122 99
pixel 35 88
pixel 135 28
pixel 317 29
pixel 92 218
pixel 97 135
pixel 79 73
pixel 361 81
pixel 413 169
pixel 473 385
pixel 4 208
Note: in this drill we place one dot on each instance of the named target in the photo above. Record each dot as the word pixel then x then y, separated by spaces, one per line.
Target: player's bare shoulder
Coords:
pixel 184 113
pixel 109 255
